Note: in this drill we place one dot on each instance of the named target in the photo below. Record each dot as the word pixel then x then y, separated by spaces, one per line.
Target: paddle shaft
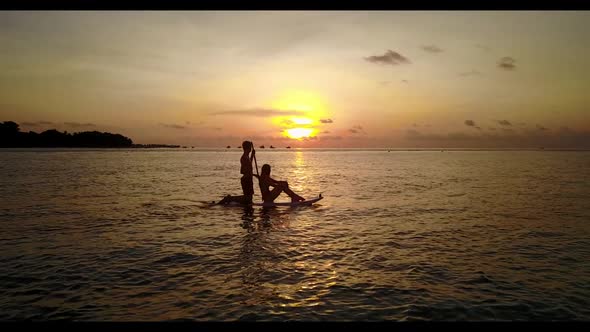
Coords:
pixel 255 163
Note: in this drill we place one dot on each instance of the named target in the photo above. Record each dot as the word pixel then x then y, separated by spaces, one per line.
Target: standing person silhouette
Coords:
pixel 246 180
pixel 246 171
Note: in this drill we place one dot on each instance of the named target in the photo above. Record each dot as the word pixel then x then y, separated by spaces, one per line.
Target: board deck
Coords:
pixel 292 204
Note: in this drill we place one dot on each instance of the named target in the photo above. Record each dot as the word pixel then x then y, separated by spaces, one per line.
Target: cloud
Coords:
pixel 327 121
pixel 173 126
pixel 389 58
pixel 310 138
pixel 357 130
pixel 541 128
pixel 565 138
pixel 78 125
pixel 260 112
pixel 471 123
pixel 504 122
pixel 507 63
pixel 326 132
pixel 492 128
pixel 405 81
pixel 287 123
pixel 30 124
pixel 470 73
pixel 482 47
pixel 431 48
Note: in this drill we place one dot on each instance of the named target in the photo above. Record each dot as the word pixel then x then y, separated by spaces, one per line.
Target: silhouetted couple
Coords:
pixel 264 181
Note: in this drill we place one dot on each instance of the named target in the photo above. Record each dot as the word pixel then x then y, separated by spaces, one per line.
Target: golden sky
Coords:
pixel 304 79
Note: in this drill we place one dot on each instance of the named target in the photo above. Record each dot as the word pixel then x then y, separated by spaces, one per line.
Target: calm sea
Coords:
pixel 400 235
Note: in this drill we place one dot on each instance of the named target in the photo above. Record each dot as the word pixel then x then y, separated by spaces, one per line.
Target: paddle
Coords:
pixel 255 163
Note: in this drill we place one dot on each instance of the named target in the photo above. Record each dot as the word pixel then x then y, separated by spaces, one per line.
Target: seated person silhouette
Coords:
pixel 268 195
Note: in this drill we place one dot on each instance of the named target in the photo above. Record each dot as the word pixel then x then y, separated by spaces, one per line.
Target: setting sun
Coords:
pixel 298 133
pixel 306 122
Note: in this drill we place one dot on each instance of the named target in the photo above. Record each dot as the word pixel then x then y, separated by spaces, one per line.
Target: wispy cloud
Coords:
pixel 310 138
pixel 541 128
pixel 328 138
pixel 327 121
pixel 471 123
pixel 389 58
pixel 173 126
pixel 504 122
pixel 260 112
pixel 507 63
pixel 405 81
pixel 432 48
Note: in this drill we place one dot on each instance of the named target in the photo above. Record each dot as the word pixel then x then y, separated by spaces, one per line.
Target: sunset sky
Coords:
pixel 304 79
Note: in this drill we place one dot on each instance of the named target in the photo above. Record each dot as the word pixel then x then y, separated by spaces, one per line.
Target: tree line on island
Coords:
pixel 12 137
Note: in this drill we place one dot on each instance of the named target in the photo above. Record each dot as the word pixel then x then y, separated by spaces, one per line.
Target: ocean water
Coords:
pixel 123 235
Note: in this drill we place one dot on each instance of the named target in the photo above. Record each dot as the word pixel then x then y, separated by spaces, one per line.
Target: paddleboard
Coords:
pixel 292 204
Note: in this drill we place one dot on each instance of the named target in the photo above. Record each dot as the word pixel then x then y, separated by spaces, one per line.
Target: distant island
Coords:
pixel 12 137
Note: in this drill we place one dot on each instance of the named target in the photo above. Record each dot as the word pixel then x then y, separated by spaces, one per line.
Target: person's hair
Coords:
pixel 265 169
pixel 247 145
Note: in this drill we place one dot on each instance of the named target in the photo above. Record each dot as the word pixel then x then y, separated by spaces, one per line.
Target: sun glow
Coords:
pixel 302 121
pixel 306 111
pixel 298 133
